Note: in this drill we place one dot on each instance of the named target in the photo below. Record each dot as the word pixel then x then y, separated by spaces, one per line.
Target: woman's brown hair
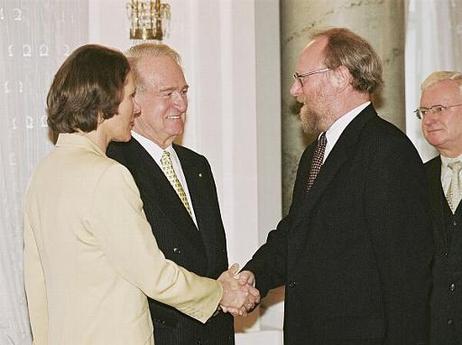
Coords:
pixel 87 88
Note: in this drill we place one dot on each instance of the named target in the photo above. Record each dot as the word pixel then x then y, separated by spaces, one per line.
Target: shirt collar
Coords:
pixel 337 128
pixel 154 150
pixel 446 160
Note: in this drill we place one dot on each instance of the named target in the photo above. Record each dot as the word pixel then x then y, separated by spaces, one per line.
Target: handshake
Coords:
pixel 239 294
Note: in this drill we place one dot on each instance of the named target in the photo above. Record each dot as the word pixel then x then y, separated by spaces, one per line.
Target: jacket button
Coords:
pixel 454 223
pixel 452 287
pixel 177 250
pixel 292 284
pixel 450 321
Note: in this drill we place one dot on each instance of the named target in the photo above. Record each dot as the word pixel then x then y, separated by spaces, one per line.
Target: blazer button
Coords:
pixel 450 322
pixel 452 287
pixel 177 250
pixel 292 284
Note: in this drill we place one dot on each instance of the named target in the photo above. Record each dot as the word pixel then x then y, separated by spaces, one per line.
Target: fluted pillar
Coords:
pixel 380 22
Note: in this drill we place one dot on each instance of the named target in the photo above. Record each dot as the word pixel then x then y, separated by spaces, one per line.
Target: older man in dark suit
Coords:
pixel 354 252
pixel 177 189
pixel 441 114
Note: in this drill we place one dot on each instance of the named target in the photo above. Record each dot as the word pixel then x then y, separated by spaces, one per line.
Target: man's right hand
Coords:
pixel 239 295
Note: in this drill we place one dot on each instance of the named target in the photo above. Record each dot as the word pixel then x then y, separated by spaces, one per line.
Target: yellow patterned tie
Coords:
pixel 167 167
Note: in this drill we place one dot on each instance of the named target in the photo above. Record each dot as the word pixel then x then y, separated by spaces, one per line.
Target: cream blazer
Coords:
pixel 90 256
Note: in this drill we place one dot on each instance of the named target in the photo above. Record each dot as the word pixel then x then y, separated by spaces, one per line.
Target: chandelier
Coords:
pixel 148 19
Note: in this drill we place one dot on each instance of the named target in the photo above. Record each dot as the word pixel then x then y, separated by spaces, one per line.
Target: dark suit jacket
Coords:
pixel 446 299
pixel 201 251
pixel 355 251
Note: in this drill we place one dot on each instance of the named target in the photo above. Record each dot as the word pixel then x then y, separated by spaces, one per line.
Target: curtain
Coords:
pixel 35 38
pixel 433 42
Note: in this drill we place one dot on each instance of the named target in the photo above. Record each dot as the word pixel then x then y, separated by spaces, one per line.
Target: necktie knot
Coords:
pixel 165 159
pixel 322 141
pixel 455 167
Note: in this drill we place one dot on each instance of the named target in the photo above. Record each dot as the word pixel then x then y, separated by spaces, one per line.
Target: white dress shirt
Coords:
pixel 337 128
pixel 156 153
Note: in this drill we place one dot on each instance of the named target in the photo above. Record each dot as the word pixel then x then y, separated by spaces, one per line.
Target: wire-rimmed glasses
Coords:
pixel 421 112
pixel 300 76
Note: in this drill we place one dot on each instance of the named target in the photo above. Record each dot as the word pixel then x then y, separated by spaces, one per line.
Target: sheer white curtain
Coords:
pixel 433 42
pixel 35 37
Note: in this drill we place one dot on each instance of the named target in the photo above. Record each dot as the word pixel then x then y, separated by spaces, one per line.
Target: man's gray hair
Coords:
pixel 438 76
pixel 345 48
pixel 136 53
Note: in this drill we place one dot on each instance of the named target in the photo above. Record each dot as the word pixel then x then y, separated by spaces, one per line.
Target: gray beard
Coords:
pixel 310 120
pixel 313 123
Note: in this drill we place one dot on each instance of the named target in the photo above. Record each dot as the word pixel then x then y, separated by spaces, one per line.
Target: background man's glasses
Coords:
pixel 437 109
pixel 299 77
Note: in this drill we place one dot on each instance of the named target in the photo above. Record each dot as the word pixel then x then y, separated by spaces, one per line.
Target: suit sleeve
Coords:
pixel 269 263
pixel 118 221
pixel 35 287
pixel 399 223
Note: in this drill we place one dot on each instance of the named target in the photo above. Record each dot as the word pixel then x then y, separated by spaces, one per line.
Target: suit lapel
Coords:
pixel 438 202
pixel 165 197
pixel 197 181
pixel 340 154
pixel 193 174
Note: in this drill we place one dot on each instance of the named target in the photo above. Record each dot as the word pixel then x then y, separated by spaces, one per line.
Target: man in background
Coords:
pixel 177 189
pixel 355 250
pixel 441 114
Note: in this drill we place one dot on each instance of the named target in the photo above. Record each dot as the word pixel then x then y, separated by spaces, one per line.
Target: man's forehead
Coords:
pixel 310 44
pixel 160 73
pixel 316 44
pixel 442 91
pixel 313 51
pixel 447 86
pixel 157 64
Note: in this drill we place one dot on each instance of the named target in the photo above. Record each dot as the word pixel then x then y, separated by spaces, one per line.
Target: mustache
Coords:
pixel 301 99
pixel 296 106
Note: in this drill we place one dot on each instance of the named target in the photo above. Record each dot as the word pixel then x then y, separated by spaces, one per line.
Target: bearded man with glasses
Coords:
pixel 441 114
pixel 354 253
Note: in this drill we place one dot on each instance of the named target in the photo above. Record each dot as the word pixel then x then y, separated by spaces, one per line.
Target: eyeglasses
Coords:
pixel 300 77
pixel 437 109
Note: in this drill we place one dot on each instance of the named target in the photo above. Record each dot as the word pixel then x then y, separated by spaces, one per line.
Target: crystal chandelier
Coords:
pixel 148 19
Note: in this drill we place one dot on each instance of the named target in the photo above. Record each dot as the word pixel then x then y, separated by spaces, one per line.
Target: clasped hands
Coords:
pixel 239 294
